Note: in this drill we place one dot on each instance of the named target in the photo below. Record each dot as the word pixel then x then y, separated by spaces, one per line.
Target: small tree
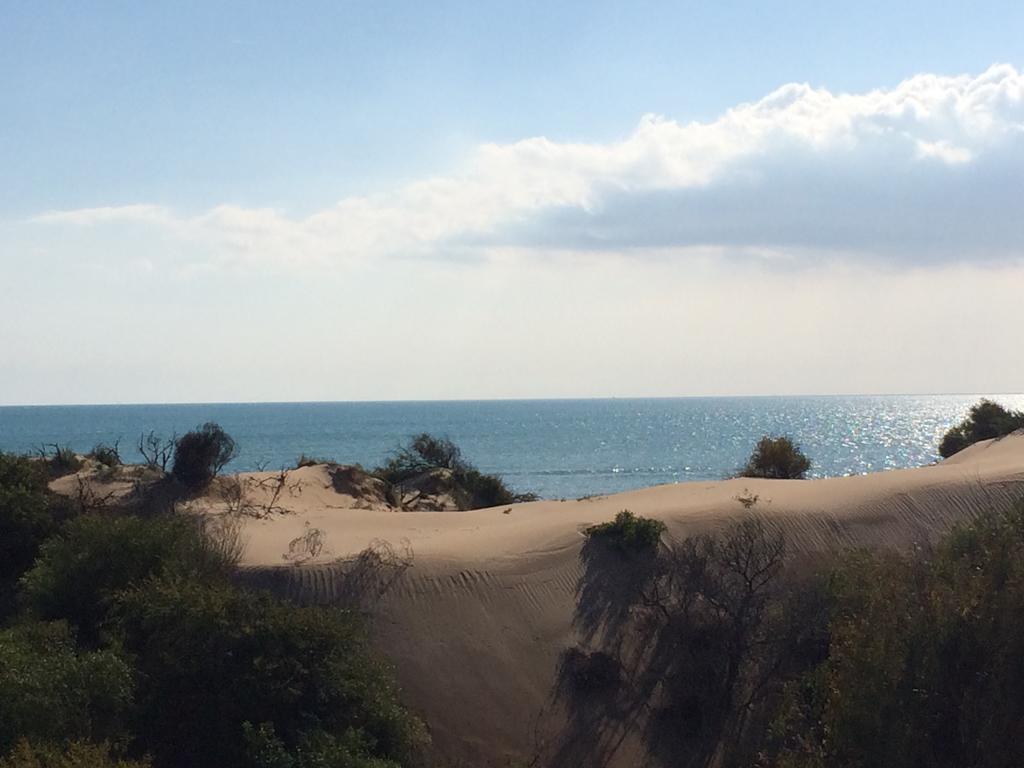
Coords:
pixel 777 458
pixel 156 451
pixel 469 487
pixel 629 533
pixel 986 420
pixel 201 454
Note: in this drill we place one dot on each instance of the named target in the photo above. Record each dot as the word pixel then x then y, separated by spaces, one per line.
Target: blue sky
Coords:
pixel 294 105
pixel 266 167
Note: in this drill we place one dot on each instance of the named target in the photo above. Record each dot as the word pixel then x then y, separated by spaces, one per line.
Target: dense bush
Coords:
pixel 106 454
pixel 231 676
pixel 924 659
pixel 51 691
pixel 76 754
pixel 424 453
pixel 60 459
pixel 470 488
pixel 200 454
pixel 28 514
pixel 776 458
pixel 986 420
pixel 630 533
pixel 95 557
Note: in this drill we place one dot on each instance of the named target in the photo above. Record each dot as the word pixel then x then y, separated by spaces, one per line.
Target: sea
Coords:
pixel 561 449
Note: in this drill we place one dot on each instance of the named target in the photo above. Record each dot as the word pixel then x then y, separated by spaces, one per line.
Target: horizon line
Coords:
pixel 398 401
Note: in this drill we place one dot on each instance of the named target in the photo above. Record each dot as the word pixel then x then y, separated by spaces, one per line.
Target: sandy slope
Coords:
pixel 476 626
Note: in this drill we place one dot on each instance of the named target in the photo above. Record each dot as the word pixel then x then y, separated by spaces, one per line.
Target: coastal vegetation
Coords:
pixel 746 657
pixel 129 637
pixel 776 458
pixel 986 420
pixel 126 640
pixel 434 465
pixel 200 454
pixel 629 533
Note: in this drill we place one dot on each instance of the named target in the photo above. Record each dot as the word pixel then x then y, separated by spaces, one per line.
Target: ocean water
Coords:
pixel 556 448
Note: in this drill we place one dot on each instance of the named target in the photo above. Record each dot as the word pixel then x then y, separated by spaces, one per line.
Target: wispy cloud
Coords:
pixel 931 170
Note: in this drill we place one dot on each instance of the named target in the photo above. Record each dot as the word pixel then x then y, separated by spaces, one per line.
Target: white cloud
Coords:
pixel 931 170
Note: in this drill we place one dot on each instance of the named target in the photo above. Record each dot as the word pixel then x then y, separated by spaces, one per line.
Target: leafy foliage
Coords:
pixel 76 754
pixel 216 658
pixel 61 459
pixel 985 421
pixel 28 514
pixel 94 557
pixel 924 659
pixel 106 454
pixel 49 690
pixel 776 458
pixel 630 533
pixel 201 454
pixel 470 488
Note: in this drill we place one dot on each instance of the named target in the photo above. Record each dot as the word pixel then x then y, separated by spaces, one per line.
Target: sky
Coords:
pixel 217 201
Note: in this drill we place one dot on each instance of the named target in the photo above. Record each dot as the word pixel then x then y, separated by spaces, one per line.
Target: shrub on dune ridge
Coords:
pixel 201 454
pixel 469 487
pixel 630 533
pixel 985 421
pixel 776 458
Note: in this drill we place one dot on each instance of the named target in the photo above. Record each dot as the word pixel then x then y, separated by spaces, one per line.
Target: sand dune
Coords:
pixel 476 626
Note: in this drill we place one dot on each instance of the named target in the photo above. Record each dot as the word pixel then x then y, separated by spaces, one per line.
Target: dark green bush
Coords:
pixel 423 453
pixel 28 515
pixel 986 420
pixel 94 557
pixel 471 488
pixel 924 659
pixel 51 691
pixel 630 533
pixel 76 754
pixel 60 459
pixel 106 454
pixel 231 675
pixel 311 461
pixel 776 458
pixel 200 454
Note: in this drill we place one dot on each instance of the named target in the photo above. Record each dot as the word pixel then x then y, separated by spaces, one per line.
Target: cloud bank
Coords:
pixel 931 171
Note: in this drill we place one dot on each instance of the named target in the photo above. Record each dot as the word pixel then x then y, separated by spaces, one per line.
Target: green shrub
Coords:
pixel 423 453
pixel 78 572
pixel 776 458
pixel 107 455
pixel 311 461
pixel 76 754
pixel 201 454
pixel 924 658
pixel 470 488
pixel 630 533
pixel 215 658
pixel 28 515
pixel 61 459
pixel 51 691
pixel 985 421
